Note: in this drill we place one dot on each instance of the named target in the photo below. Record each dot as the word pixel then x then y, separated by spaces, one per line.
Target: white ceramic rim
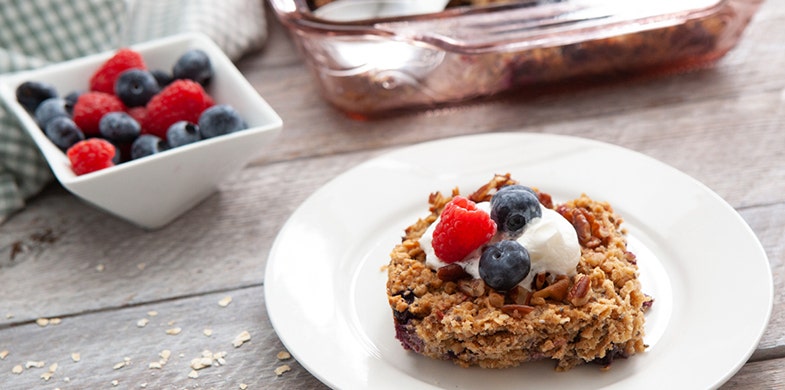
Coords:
pixel 324 284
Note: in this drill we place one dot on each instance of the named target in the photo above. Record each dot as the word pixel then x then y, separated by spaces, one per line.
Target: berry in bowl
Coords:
pixel 144 132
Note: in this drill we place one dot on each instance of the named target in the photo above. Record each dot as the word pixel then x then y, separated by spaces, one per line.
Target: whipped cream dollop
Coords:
pixel 551 241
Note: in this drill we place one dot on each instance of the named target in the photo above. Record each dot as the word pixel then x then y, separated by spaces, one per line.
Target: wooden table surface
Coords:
pixel 115 296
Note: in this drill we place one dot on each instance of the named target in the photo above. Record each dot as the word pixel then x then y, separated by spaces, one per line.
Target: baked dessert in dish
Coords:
pixel 504 276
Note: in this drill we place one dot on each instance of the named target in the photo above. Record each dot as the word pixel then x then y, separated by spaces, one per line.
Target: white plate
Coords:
pixel 325 287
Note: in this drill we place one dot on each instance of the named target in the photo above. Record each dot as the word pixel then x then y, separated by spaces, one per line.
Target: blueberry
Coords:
pixel 49 109
pixel 135 87
pixel 32 93
pixel 504 264
pixel 119 127
pixel 182 133
pixel 146 145
pixel 194 65
pixel 162 77
pixel 219 120
pixel 70 101
pixel 63 132
pixel 512 207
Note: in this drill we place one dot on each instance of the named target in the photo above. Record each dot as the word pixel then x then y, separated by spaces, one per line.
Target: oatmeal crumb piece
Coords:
pixel 143 385
pixel 174 331
pixel 55 321
pixel 31 364
pixel 225 301
pixel 155 365
pixel 165 354
pixel 53 367
pixel 99 268
pixel 142 323
pixel 42 322
pixel 208 332
pixel 115 382
pixel 202 362
pixel 219 358
pixel 76 357
pixel 282 369
pixel 243 386
pixel 193 374
pixel 47 375
pixel 9 316
pixel 152 313
pixel 126 362
pixel 241 339
pixel 17 369
pixel 3 354
pixel 283 355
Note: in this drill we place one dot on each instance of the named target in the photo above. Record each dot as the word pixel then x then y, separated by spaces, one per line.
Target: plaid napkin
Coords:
pixel 34 33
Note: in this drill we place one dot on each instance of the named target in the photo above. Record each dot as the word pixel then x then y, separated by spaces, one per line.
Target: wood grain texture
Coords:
pixel 112 346
pixel 61 258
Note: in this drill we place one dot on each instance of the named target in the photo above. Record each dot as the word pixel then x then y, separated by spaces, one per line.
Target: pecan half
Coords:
pixel 556 291
pixel 579 292
pixel 451 272
pixel 517 311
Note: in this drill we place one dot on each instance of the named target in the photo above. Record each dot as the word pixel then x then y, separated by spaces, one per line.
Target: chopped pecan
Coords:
pixel 451 272
pixel 517 311
pixel 582 227
pixel 556 291
pixel 540 281
pixel 579 292
pixel 545 199
pixel 472 287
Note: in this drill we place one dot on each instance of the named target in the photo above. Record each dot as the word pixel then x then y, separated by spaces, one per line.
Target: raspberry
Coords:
pixel 104 78
pixel 461 229
pixel 91 155
pixel 138 113
pixel 182 100
pixel 91 106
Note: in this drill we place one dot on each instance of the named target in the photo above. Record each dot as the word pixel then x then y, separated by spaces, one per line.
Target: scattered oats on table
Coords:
pixel 280 370
pixel 42 322
pixel 174 331
pixel 225 301
pixel 241 339
pixel 283 355
pixel 75 356
pixel 142 323
pixel 3 354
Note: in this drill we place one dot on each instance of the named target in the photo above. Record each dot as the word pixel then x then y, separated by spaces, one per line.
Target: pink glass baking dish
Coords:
pixel 373 66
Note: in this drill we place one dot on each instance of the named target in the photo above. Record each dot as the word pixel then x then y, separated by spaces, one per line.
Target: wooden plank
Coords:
pixel 766 222
pixel 106 340
pixel 220 244
pixel 111 346
pixel 759 375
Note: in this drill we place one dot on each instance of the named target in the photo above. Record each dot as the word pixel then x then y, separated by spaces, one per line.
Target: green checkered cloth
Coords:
pixel 34 33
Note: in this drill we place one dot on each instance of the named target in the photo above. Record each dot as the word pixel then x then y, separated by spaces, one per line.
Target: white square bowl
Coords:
pixel 152 191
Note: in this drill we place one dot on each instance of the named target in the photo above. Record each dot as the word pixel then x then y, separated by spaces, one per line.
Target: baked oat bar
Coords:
pixel 595 315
